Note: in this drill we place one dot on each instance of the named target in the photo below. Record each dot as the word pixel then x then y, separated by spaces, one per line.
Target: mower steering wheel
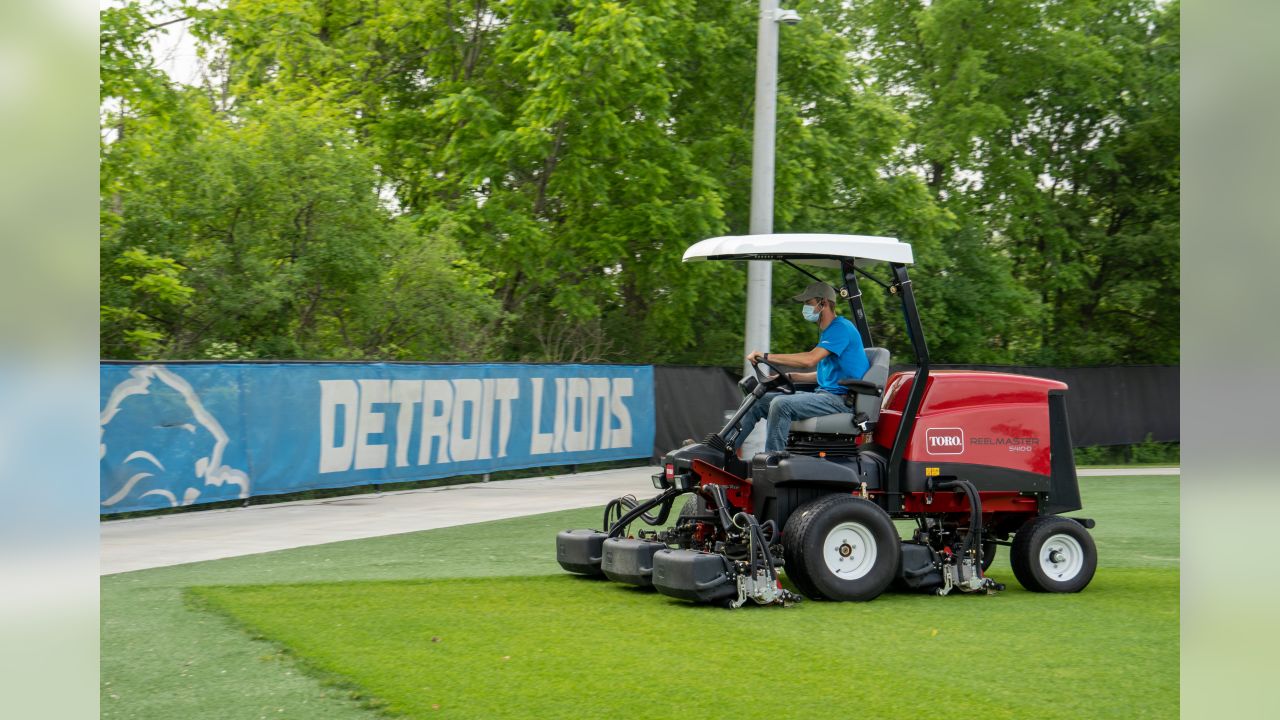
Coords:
pixel 781 381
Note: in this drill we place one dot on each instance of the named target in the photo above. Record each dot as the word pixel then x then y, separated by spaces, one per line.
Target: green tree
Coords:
pixel 257 230
pixel 141 291
pixel 147 296
pixel 577 148
pixel 361 162
pixel 1050 131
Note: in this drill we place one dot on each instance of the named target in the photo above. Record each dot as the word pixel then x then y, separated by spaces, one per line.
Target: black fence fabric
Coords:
pixel 1115 405
pixel 690 402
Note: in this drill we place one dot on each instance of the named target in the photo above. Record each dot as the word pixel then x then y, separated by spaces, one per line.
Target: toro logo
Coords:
pixel 944 441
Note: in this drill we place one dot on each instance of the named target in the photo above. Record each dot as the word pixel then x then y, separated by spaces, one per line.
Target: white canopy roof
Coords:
pixel 804 248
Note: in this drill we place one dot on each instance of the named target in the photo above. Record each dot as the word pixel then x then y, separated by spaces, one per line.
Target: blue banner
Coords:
pixel 185 434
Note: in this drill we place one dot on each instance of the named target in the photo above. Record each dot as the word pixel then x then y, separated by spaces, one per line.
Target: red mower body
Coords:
pixel 1005 433
pixel 974 418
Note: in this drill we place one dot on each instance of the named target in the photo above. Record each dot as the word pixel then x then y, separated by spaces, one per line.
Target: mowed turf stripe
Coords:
pixel 569 647
pixel 162 659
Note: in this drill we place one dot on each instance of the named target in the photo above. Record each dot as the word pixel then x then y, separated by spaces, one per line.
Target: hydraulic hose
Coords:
pixel 763 560
pixel 722 502
pixel 618 506
pixel 665 499
pixel 759 556
pixel 974 541
pixel 759 536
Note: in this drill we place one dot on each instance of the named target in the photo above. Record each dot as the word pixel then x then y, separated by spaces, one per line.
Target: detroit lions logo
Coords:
pixel 160 447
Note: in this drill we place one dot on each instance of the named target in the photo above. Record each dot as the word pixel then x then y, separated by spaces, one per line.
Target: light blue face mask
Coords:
pixel 811 313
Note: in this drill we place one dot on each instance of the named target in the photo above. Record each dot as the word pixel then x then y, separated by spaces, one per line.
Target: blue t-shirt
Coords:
pixel 848 359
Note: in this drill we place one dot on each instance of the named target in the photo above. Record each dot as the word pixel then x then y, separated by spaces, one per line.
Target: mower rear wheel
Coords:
pixel 1053 554
pixel 843 548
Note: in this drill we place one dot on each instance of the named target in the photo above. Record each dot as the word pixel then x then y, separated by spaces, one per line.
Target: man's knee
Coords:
pixel 782 408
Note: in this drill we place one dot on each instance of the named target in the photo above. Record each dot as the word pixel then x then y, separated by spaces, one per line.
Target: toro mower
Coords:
pixel 978 460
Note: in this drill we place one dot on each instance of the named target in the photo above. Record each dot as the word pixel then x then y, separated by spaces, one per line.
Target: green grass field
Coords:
pixel 479 622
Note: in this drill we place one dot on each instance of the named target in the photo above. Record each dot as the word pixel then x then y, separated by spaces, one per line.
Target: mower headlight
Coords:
pixel 682 481
pixel 670 477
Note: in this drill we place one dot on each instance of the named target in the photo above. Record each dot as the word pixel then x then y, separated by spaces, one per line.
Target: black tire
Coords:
pixel 791 552
pixel 695 507
pixel 867 540
pixel 1053 554
pixel 988 553
pixel 689 509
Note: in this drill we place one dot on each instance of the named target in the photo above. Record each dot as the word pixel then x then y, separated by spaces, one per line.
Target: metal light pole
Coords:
pixel 760 273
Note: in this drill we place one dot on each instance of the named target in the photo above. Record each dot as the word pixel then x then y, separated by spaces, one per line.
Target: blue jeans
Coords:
pixel 782 409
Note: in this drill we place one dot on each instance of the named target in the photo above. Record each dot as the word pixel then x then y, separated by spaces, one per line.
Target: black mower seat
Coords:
pixel 837 424
pixel 865 404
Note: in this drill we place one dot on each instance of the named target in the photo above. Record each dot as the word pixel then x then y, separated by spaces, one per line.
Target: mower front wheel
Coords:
pixel 988 553
pixel 1053 554
pixel 841 547
pixel 695 507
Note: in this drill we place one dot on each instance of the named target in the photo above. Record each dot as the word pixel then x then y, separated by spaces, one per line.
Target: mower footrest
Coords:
pixel 629 560
pixel 693 575
pixel 580 551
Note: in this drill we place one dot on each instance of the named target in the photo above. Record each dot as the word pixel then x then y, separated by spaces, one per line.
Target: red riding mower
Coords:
pixel 976 459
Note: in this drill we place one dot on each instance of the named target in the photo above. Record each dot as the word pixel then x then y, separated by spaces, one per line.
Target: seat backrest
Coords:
pixel 878 373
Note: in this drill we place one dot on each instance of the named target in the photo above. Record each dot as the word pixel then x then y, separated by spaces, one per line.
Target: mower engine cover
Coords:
pixel 970 419
pixel 693 575
pixel 580 551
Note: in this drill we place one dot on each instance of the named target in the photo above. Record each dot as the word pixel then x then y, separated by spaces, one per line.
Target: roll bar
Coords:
pixel 902 287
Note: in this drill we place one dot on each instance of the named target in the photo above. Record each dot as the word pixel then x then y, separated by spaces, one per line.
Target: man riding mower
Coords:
pixel 977 460
pixel 839 355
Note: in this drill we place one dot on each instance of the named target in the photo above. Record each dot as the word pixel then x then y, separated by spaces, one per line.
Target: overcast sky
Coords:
pixel 174 48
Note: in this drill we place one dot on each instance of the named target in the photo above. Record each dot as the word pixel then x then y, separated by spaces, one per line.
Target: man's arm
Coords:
pixel 799 377
pixel 804 359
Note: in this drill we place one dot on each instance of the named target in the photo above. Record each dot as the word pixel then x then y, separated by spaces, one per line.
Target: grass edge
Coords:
pixel 195 599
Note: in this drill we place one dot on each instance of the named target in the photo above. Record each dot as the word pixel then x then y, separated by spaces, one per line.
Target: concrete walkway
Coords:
pixel 1125 472
pixel 159 541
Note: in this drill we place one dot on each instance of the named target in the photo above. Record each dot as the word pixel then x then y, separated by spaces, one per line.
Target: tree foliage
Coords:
pixel 518 180
pixel 257 230
pixel 1049 131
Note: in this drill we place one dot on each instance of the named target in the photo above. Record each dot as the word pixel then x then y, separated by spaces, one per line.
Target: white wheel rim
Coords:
pixel 849 551
pixel 1061 558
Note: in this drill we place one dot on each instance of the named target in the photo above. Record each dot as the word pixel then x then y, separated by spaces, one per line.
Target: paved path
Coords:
pixel 158 541
pixel 1121 472
pixel 162 540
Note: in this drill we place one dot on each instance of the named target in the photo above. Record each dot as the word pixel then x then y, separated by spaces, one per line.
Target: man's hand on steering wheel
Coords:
pixel 779 381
